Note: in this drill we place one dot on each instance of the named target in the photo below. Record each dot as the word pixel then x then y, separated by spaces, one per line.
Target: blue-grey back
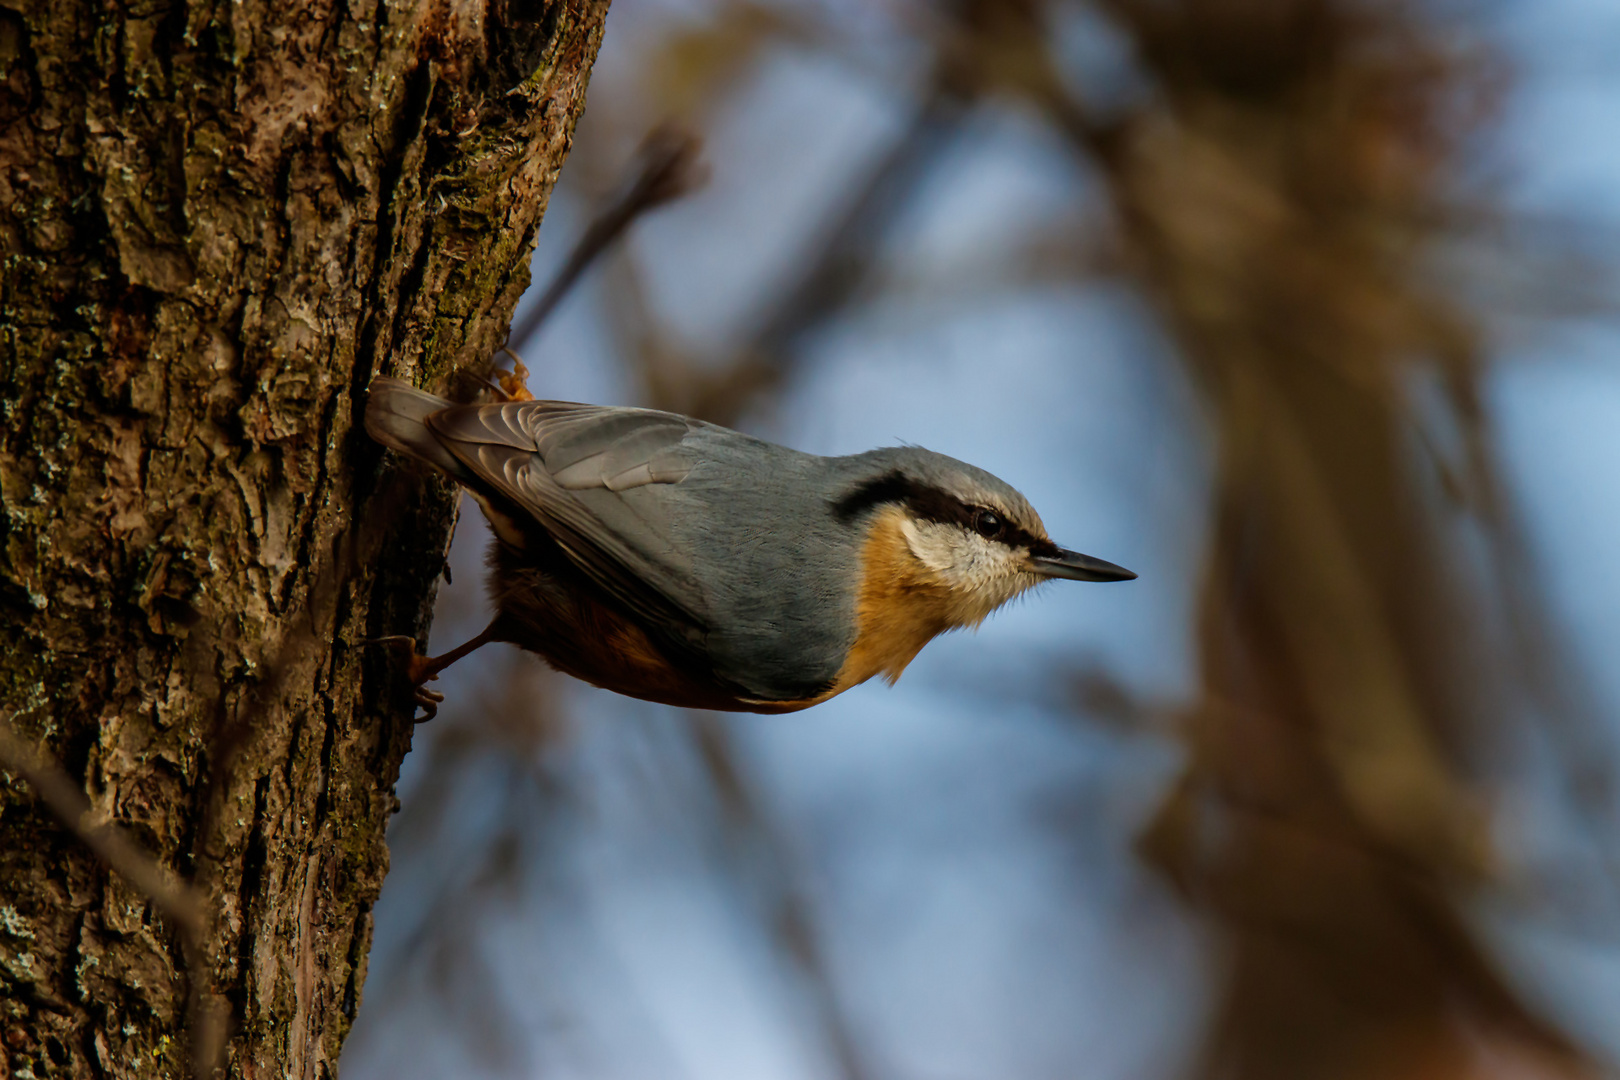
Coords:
pixel 721 542
pixel 778 570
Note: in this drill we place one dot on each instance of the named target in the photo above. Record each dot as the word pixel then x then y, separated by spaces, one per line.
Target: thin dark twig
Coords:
pixel 179 902
pixel 666 167
pixel 834 274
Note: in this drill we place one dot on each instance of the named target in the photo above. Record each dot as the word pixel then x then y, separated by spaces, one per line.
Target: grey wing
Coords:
pixel 595 478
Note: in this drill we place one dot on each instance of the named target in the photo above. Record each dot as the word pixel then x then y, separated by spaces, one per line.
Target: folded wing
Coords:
pixel 600 481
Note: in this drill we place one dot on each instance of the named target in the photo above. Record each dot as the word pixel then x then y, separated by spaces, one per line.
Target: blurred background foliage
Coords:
pixel 1302 309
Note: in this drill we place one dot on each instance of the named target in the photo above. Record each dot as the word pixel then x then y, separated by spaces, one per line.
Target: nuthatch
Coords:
pixel 681 562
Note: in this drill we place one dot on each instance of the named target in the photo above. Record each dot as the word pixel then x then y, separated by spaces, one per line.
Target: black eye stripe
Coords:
pixel 891 487
pixel 931 504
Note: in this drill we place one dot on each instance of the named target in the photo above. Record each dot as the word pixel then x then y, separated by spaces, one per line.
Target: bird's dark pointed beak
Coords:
pixel 1078 567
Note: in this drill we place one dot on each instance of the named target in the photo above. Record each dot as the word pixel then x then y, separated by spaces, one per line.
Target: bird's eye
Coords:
pixel 988 524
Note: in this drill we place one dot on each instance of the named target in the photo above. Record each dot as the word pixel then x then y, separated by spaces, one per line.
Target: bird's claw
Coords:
pixel 420 669
pixel 429 700
pixel 514 383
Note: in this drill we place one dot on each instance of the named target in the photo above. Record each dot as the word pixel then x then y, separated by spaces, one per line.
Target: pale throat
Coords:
pixel 980 574
pixel 915 586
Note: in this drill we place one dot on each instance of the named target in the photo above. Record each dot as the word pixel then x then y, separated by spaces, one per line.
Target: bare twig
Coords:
pixel 666 167
pixel 832 275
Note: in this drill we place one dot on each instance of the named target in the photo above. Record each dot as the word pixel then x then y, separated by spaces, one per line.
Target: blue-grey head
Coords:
pixel 945 544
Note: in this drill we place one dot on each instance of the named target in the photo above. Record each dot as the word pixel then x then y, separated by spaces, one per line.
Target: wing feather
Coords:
pixel 596 478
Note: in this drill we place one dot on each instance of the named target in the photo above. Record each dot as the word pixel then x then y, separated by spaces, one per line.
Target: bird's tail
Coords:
pixel 396 416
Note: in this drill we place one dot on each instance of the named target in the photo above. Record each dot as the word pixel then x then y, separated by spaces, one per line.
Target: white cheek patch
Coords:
pixel 932 544
pixel 982 573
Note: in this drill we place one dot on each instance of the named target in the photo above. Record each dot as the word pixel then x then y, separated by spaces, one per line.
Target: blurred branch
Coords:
pixel 1537 268
pixel 1001 47
pixel 829 277
pixel 666 167
pixel 1577 732
pixel 694 66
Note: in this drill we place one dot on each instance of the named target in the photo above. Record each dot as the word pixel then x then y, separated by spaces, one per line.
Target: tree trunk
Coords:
pixel 219 221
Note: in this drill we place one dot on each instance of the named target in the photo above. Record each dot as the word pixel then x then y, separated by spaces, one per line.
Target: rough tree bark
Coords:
pixel 219 221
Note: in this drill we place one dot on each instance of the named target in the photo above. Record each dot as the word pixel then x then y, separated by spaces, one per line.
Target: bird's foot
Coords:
pixel 514 383
pixel 420 669
pixel 429 700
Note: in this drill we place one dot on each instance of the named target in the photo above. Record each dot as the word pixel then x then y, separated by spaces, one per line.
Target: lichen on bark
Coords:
pixel 217 222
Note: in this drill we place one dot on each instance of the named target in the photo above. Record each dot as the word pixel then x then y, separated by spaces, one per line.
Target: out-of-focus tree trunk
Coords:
pixel 218 222
pixel 1282 202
